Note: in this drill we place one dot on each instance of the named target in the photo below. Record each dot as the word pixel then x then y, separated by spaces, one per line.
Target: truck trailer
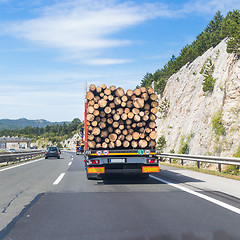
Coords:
pixel 120 134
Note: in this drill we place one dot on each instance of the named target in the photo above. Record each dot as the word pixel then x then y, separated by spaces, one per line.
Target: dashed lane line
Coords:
pixel 58 180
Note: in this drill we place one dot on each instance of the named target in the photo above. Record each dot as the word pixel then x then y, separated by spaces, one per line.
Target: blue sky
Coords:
pixel 49 49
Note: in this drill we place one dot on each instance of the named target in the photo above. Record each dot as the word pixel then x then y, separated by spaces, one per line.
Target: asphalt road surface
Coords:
pixel 52 199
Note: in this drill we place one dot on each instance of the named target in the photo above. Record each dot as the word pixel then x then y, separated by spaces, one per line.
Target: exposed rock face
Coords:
pixel 191 111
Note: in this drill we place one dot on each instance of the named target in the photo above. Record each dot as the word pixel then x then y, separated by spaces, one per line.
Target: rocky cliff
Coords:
pixel 202 122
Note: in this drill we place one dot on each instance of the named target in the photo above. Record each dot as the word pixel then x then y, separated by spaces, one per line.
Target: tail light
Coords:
pixel 152 160
pixel 95 161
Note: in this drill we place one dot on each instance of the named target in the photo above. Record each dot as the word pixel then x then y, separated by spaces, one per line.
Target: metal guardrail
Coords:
pixel 198 158
pixel 14 157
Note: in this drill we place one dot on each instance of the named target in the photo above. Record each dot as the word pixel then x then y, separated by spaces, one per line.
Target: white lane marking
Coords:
pixel 70 163
pixel 210 199
pixel 20 165
pixel 58 180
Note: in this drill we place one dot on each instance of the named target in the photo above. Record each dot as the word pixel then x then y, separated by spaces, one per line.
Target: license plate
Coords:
pixel 52 151
pixel 117 160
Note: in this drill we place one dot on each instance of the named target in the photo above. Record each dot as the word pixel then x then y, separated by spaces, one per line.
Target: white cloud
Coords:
pixel 105 61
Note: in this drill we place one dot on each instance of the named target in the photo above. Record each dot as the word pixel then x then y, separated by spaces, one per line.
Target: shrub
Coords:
pixel 161 143
pixel 217 125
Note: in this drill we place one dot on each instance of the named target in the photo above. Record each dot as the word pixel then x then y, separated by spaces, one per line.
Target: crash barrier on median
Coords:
pixel 17 157
pixel 198 158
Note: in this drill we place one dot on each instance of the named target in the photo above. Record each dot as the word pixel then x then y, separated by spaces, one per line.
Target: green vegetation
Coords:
pixel 208 81
pixel 184 145
pixel 54 133
pixel 164 107
pixel 161 143
pixel 217 125
pixel 234 170
pixel 217 29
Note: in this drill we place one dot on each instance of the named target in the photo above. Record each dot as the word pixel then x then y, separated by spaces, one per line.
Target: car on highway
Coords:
pixel 12 150
pixel 52 152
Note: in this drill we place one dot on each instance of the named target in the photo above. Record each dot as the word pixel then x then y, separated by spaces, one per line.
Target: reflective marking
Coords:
pixel 58 180
pixel 69 164
pixel 210 199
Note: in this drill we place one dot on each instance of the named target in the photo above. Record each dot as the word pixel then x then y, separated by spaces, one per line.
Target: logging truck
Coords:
pixel 120 134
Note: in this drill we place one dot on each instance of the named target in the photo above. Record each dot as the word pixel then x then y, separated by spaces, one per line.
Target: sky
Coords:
pixel 49 49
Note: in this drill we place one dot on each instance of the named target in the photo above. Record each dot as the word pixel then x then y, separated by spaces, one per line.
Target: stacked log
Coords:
pixel 121 120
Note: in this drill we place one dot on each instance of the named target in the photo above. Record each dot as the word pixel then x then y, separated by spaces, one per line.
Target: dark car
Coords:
pixel 52 152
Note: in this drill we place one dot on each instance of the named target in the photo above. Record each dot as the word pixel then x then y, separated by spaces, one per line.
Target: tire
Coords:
pixel 58 157
pixel 46 157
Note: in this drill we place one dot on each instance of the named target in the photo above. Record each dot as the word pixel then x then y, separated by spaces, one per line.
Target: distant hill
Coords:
pixel 23 122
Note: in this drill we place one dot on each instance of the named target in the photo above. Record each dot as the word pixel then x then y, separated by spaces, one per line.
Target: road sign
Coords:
pixel 99 153
pixel 140 152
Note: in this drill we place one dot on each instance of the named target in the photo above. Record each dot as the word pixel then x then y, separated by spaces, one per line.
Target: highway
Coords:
pixel 52 199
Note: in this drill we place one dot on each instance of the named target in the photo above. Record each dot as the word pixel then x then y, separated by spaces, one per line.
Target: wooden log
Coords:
pixel 117 101
pixel 154 104
pixel 154 110
pixel 131 131
pixel 98 145
pixel 91 144
pixel 143 89
pixel 116 117
pixel 104 86
pixel 152 144
pixel 142 136
pixel 133 97
pixel 96 113
pixel 129 137
pixel 104 134
pixel 121 137
pixel 148 130
pixel 112 137
pixel 98 89
pixel 96 99
pixel 123 104
pixel 121 122
pixel 124 116
pixel 134 125
pixel 141 113
pixel 90 128
pixel 124 98
pixel 112 88
pixel 89 95
pixel 150 90
pixel 153 97
pixel 90 117
pixel 96 131
pixel 152 117
pixel 125 132
pixel 119 92
pixel 147 112
pixel 135 111
pixel 139 124
pixel 96 106
pixel 91 103
pixel 98 139
pixel 143 143
pixel 92 87
pixel 107 110
pixel 131 115
pixel 134 144
pixel 88 123
pixel 115 124
pixel 110 121
pixel 105 97
pixel 101 94
pixel 144 124
pixel 129 104
pixel 129 93
pixel 94 123
pixel 126 144
pixel 142 130
pixel 148 138
pixel 138 103
pixel 128 121
pixel 102 125
pixel 135 135
pixel 121 127
pixel 102 114
pixel 128 126
pixel 112 105
pixel 127 110
pixel 110 129
pixel 118 131
pixel 91 137
pixel 104 145
pixel 152 125
pixel 153 135
pixel 137 91
pixel 102 103
pixel 104 120
pixel 119 111
pixel 145 117
pixel 111 145
pixel 145 96
pixel 106 140
pixel 137 118
pixel 110 98
pixel 118 143
pixel 90 109
pixel 107 91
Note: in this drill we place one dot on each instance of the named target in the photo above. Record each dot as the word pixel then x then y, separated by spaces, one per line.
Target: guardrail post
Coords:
pixel 219 167
pixel 170 160
pixel 198 164
pixel 182 162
